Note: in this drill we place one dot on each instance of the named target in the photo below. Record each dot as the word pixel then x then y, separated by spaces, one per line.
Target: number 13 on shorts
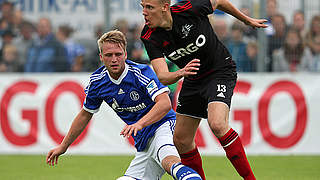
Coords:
pixel 221 88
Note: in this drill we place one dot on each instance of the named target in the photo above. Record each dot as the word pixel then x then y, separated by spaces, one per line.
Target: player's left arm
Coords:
pixel 78 125
pixel 158 111
pixel 228 7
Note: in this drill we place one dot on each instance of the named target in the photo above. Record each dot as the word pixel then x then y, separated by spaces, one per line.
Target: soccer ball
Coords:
pixel 126 178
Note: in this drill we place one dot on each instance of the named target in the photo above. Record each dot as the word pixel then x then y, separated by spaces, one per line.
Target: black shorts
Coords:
pixel 195 95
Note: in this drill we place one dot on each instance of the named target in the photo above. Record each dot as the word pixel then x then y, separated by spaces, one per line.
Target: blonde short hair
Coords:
pixel 114 36
pixel 165 1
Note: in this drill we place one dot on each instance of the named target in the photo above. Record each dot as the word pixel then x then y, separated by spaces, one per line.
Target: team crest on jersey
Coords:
pixel 151 87
pixel 186 29
pixel 134 95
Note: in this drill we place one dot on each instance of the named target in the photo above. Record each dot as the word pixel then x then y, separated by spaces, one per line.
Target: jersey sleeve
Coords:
pixel 153 87
pixel 200 7
pixel 92 101
pixel 153 51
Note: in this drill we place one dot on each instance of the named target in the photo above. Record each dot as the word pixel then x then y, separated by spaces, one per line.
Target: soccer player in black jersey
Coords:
pixel 182 33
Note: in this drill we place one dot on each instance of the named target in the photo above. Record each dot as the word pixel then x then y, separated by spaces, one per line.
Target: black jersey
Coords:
pixel 191 37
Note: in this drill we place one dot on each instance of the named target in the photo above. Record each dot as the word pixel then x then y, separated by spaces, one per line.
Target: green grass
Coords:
pixel 33 167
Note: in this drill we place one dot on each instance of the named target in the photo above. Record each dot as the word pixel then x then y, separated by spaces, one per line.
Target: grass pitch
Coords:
pixel 33 167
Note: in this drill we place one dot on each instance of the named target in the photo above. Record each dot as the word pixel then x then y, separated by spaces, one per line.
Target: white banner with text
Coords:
pixel 274 114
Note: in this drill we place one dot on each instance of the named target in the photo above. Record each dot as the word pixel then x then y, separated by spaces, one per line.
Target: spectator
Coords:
pixel 276 40
pixel 252 54
pixel 221 29
pixel 272 9
pixel 298 22
pixel 23 42
pixel 123 26
pixel 7 37
pixel 75 51
pixel 292 57
pixel 314 64
pixel 313 32
pixel 46 53
pixel 92 59
pixel 9 59
pixel 3 25
pixel 135 50
pixel 237 48
pixel 18 20
pixel 7 11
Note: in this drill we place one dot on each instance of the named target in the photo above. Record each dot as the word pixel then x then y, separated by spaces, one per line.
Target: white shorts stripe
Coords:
pixel 190 176
pixel 176 169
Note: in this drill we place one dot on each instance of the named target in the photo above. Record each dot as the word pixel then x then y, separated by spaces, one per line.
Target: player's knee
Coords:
pixel 218 127
pixel 168 153
pixel 177 140
pixel 182 142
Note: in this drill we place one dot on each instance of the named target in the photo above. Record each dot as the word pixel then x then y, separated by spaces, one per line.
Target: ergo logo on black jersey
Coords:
pixel 201 40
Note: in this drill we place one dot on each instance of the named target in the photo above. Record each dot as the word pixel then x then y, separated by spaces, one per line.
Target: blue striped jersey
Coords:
pixel 131 96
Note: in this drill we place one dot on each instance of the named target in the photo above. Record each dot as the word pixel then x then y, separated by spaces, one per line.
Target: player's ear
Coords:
pixel 125 54
pixel 166 7
pixel 100 55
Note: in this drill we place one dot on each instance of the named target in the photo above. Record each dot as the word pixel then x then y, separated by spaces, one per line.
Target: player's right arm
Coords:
pixel 161 68
pixel 78 125
pixel 228 7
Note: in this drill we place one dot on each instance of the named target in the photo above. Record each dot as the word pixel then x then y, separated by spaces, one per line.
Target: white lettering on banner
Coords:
pixel 82 15
pixel 252 115
pixel 57 6
pixel 125 5
pixel 130 10
pixel 31 115
pixel 245 116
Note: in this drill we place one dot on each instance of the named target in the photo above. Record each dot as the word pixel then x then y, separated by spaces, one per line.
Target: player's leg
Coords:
pixel 191 107
pixel 168 156
pixel 184 133
pixel 173 166
pixel 144 167
pixel 218 115
pixel 184 140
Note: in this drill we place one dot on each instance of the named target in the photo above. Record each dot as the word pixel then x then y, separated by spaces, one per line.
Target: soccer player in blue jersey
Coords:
pixel 183 34
pixel 134 92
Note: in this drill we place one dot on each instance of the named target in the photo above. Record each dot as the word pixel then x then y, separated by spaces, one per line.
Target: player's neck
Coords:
pixel 167 22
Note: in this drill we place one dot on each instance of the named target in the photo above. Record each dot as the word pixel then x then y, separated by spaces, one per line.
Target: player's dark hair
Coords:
pixel 66 30
pixel 293 54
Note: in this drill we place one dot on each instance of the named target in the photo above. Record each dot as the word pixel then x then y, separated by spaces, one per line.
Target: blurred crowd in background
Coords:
pixel 27 46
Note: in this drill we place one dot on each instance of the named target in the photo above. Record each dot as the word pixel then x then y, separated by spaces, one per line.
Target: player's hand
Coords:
pixel 53 155
pixel 191 68
pixel 256 23
pixel 129 129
